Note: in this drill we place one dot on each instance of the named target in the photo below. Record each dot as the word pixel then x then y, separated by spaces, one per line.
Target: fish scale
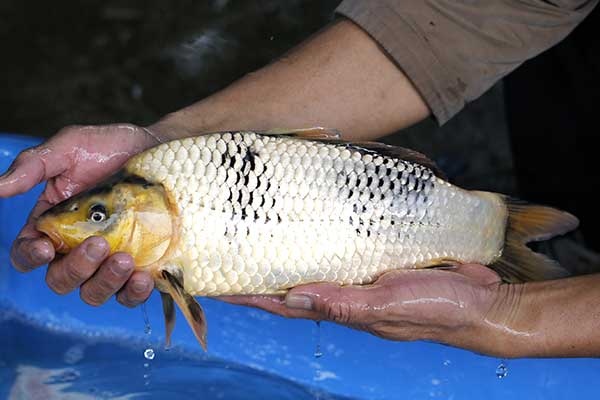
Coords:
pixel 263 213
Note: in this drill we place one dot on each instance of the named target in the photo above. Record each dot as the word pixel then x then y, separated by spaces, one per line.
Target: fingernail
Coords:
pixel 140 286
pixel 39 255
pixel 95 251
pixel 299 301
pixel 120 268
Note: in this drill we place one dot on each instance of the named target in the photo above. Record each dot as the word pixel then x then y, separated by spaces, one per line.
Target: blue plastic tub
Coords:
pixel 59 346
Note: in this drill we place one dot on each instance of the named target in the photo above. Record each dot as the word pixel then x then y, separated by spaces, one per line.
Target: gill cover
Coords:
pixel 129 212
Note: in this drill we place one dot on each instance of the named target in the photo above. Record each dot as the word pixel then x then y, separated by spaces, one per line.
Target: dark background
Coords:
pixel 93 62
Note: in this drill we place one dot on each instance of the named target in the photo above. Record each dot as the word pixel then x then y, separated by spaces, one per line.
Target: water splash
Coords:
pixel 318 353
pixel 502 370
pixel 149 355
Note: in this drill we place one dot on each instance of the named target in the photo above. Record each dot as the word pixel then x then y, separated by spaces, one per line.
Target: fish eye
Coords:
pixel 97 213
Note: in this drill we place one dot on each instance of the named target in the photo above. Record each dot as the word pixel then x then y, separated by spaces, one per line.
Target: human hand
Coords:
pixel 73 160
pixel 449 306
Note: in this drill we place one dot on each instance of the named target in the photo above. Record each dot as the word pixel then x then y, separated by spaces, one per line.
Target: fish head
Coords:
pixel 132 216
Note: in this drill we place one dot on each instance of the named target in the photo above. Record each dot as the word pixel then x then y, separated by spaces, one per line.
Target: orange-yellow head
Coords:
pixel 132 214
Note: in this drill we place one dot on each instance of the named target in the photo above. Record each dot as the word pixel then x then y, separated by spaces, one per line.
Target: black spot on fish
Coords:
pixel 249 158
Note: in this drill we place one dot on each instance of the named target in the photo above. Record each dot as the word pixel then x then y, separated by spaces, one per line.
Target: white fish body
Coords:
pixel 248 213
pixel 261 214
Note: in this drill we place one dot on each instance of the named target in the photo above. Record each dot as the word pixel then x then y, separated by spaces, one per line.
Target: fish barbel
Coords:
pixel 259 213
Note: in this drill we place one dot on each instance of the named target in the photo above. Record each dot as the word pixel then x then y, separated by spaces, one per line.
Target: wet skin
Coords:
pixel 79 157
pixel 75 159
pixel 363 94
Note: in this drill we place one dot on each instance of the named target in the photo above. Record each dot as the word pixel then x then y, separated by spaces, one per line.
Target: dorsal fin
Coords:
pixel 333 136
pixel 313 133
pixel 401 153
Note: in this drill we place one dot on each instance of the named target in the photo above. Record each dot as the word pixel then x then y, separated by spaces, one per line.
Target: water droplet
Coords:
pixel 447 363
pixel 146 365
pixel 501 370
pixel 147 327
pixel 149 354
pixel 318 352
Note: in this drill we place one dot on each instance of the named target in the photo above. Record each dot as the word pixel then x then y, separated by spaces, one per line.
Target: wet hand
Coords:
pixel 73 160
pixel 441 305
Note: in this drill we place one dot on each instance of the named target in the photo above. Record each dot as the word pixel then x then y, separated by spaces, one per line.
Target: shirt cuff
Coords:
pixel 410 51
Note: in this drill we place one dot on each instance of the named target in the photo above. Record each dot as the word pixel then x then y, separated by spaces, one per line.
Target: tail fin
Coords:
pixel 527 223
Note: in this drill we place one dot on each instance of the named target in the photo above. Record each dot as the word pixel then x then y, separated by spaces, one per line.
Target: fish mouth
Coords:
pixel 47 228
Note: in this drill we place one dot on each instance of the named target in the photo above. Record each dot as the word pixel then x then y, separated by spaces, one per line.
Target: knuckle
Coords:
pixel 340 312
pixel 73 273
pixel 125 301
pixel 92 296
pixel 55 284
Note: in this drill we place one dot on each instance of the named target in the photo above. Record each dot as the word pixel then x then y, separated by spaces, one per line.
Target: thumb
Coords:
pixel 31 167
pixel 341 304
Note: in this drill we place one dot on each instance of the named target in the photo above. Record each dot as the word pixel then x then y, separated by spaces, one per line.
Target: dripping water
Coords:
pixel 318 353
pixel 149 351
pixel 502 370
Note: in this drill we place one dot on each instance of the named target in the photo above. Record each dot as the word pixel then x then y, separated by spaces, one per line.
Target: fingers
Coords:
pixel 346 305
pixel 110 278
pixel 321 302
pixel 136 290
pixel 29 253
pixel 30 167
pixel 32 249
pixel 99 276
pixel 273 304
pixel 69 272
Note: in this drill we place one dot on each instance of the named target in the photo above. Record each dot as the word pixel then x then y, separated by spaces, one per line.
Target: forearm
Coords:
pixel 339 78
pixel 558 318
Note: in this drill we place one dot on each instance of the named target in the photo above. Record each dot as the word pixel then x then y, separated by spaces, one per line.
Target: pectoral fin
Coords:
pixel 190 308
pixel 169 312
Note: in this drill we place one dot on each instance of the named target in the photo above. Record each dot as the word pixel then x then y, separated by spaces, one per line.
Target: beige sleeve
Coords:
pixel 454 50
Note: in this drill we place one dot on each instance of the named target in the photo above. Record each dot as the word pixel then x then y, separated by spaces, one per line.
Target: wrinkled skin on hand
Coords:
pixel 73 160
pixel 440 305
